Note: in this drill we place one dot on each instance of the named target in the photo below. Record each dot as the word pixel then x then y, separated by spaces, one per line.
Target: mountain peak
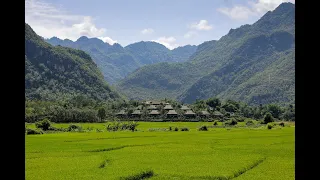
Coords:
pixel 83 38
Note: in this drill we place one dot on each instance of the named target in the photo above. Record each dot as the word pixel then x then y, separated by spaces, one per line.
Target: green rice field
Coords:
pixel 219 153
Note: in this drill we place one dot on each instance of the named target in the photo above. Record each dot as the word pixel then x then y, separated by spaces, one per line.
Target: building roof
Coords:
pixel 217 113
pixel 168 107
pixel 173 112
pixel 205 113
pixel 152 107
pixel 190 112
pixel 155 102
pixel 137 112
pixel 139 107
pixel 185 108
pixel 154 112
pixel 122 112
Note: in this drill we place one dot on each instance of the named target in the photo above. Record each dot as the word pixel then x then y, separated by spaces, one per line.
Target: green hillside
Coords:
pixel 55 72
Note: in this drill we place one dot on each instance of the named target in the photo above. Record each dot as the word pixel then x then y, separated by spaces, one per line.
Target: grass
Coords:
pixel 237 153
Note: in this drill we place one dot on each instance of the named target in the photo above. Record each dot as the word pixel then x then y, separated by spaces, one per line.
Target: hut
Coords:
pixel 168 107
pixel 148 102
pixel 139 107
pixel 172 114
pixel 190 114
pixel 217 114
pixel 136 114
pixel 204 114
pixel 156 103
pixel 121 114
pixel 185 108
pixel 154 113
pixel 152 107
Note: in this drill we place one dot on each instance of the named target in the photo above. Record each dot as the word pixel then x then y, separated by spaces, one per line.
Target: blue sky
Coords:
pixel 172 23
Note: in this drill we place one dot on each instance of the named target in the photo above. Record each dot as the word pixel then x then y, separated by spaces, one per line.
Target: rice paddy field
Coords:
pixel 151 152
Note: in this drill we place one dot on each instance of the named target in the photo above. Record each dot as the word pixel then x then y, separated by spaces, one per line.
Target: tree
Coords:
pixel 102 113
pixel 268 118
pixel 213 102
pixel 275 110
pixel 44 124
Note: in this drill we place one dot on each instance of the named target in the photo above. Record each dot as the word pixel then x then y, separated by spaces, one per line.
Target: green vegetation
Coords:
pixel 55 73
pixel 245 153
pixel 237 66
pixel 116 62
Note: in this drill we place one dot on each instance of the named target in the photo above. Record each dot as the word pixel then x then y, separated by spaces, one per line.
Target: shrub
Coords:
pixel 73 127
pixel 281 124
pixel 170 128
pixel 51 128
pixel 268 118
pixel 120 126
pixel 215 123
pixel 176 129
pixel 269 126
pixel 240 119
pixel 203 128
pixel 44 124
pixel 231 122
pixel 249 123
pixel 184 129
pixel 33 131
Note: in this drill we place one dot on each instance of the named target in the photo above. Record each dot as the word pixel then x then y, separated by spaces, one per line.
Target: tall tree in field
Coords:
pixel 102 113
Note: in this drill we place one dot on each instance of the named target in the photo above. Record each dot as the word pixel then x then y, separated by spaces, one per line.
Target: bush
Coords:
pixel 269 126
pixel 184 129
pixel 120 126
pixel 176 129
pixel 33 131
pixel 73 127
pixel 44 124
pixel 51 128
pixel 281 124
pixel 249 123
pixel 240 119
pixel 170 128
pixel 268 118
pixel 203 128
pixel 231 122
pixel 215 123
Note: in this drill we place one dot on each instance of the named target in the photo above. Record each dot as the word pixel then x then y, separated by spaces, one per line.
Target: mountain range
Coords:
pixel 116 62
pixel 253 63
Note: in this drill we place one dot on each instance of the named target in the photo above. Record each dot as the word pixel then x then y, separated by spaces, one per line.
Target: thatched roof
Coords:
pixel 205 113
pixel 155 102
pixel 217 113
pixel 168 107
pixel 137 112
pixel 139 107
pixel 121 113
pixel 190 112
pixel 148 102
pixel 152 107
pixel 185 108
pixel 154 112
pixel 172 112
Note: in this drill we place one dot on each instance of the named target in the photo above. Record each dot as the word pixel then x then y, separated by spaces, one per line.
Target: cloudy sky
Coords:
pixel 172 23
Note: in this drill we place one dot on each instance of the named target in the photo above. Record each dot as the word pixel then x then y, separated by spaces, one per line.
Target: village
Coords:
pixel 164 111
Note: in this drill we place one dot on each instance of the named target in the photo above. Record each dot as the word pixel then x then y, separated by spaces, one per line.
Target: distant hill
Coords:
pixel 55 72
pixel 117 62
pixel 237 66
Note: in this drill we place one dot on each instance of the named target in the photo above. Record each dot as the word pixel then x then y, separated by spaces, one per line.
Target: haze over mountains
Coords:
pixel 237 66
pixel 253 63
pixel 116 62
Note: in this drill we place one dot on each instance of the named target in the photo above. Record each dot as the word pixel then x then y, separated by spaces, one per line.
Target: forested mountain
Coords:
pixel 55 72
pixel 237 66
pixel 117 62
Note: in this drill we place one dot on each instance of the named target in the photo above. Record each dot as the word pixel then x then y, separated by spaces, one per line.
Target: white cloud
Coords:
pixel 48 21
pixel 108 40
pixel 255 8
pixel 190 34
pixel 237 12
pixel 147 31
pixel 202 25
pixel 169 42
